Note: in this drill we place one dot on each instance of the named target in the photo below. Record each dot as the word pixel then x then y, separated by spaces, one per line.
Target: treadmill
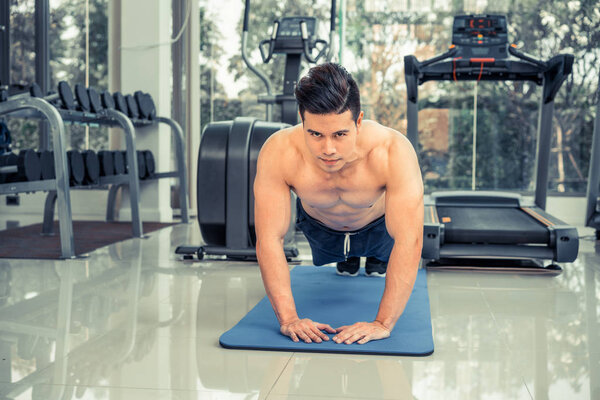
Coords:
pixel 592 213
pixel 492 231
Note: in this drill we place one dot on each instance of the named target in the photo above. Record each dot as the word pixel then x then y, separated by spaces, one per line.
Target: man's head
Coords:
pixel 328 89
pixel 329 104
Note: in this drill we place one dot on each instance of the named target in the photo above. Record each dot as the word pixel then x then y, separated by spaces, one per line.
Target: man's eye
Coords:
pixel 341 134
pixel 315 134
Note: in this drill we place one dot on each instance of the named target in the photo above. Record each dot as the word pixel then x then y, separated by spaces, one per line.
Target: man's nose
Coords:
pixel 329 147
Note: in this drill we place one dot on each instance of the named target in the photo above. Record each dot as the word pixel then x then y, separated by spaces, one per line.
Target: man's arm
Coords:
pixel 404 223
pixel 272 215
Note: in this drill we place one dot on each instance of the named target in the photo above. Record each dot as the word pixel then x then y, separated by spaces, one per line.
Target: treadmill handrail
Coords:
pixel 472 69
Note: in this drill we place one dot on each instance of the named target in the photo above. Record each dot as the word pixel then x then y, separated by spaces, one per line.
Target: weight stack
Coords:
pixel 226 171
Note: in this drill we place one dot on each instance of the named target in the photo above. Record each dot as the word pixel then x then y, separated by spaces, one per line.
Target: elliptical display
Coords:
pixel 229 149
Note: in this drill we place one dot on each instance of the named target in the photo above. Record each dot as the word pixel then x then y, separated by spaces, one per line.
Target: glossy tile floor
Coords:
pixel 133 322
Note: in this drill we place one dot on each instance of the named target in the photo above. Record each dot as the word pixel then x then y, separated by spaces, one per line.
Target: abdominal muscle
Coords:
pixel 342 212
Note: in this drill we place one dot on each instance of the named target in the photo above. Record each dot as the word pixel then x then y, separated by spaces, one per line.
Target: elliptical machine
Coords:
pixel 229 149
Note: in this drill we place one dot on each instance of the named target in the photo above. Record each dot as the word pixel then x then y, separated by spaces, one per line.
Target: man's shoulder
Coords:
pixel 283 136
pixel 281 145
pixel 385 139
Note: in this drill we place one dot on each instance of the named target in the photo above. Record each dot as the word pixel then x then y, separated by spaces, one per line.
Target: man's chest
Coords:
pixel 356 188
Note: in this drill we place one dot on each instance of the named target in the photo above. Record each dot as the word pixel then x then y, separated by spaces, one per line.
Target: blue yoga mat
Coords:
pixel 326 297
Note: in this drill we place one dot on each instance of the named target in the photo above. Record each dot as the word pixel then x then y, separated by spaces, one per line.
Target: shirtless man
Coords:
pixel 359 192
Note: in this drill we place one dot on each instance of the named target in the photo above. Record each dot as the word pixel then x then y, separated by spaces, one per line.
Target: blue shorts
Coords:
pixel 329 245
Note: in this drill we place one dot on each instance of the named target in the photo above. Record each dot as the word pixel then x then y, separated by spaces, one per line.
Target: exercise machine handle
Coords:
pixel 512 49
pixel 441 57
pixel 332 19
pixel 306 43
pixel 246 16
pixel 267 55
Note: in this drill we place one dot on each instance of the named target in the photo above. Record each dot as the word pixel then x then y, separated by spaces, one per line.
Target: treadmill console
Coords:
pixel 480 36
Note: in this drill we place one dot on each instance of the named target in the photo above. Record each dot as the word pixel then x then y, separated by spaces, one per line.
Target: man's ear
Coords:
pixel 359 120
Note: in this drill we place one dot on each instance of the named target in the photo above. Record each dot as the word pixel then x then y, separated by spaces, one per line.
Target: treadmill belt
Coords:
pixel 491 225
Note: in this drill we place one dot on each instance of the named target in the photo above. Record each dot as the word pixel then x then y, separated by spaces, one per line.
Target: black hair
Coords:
pixel 328 88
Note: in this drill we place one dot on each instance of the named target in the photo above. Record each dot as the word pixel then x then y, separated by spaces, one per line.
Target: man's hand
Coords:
pixel 306 330
pixel 361 332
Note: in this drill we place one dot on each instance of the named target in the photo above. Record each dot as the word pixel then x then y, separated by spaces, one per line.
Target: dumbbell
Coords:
pixel 107 100
pixel 92 167
pixel 145 104
pixel 86 161
pixel 120 103
pixel 111 162
pixel 150 166
pixel 107 163
pixel 137 106
pixel 52 97
pixel 47 163
pixel 127 104
pixel 96 104
pixel 76 167
pixel 65 95
pixel 132 107
pixel 141 160
pixel 24 167
pixel 82 96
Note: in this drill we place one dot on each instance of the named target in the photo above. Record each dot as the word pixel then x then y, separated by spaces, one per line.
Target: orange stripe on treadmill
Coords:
pixel 538 217
pixel 433 218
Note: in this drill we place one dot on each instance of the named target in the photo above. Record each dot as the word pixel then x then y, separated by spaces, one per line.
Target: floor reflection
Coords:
pixel 130 322
pixel 54 324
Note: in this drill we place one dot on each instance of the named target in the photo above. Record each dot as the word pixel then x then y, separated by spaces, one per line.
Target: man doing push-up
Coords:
pixel 360 194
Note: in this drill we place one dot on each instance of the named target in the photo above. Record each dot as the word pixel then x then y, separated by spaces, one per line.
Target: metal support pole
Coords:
pixel 181 169
pixel 42 61
pixel 542 164
pixel 5 42
pixel 132 169
pixel 413 124
pixel 178 111
pixel 289 106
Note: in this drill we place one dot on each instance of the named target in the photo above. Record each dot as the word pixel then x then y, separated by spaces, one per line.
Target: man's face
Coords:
pixel 331 138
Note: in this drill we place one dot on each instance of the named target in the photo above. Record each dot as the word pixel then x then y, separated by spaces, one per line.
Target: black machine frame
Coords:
pixel 592 213
pixel 229 149
pixel 561 242
pixel 295 47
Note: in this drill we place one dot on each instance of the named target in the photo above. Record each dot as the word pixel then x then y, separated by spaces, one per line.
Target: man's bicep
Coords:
pixel 272 210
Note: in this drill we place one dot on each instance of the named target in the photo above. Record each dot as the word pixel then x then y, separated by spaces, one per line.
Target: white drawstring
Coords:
pixel 346 246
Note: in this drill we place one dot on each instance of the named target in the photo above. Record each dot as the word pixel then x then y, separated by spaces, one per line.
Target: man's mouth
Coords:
pixel 329 162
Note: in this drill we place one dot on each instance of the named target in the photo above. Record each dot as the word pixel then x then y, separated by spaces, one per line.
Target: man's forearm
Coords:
pixel 276 279
pixel 400 279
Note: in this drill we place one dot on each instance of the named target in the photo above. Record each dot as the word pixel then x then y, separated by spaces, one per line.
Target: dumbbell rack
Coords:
pixel 60 184
pixel 59 190
pixel 109 117
pixel 180 174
